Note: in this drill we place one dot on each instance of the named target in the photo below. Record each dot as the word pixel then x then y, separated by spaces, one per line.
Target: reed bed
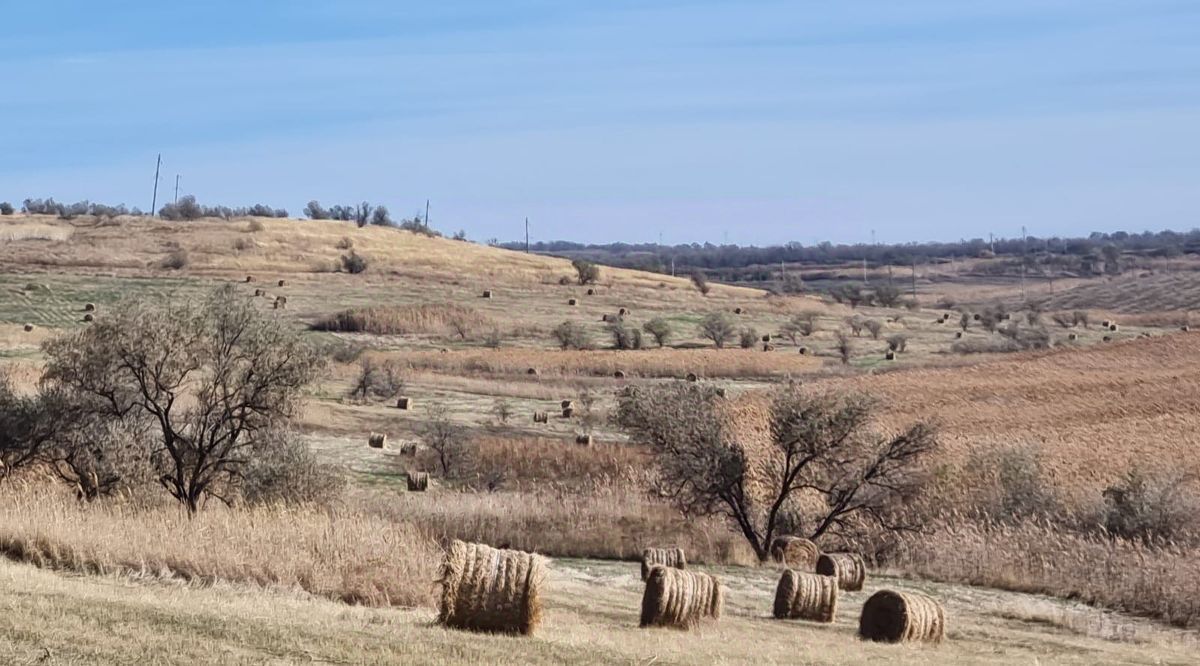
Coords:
pixel 654 363
pixel 421 318
pixel 344 555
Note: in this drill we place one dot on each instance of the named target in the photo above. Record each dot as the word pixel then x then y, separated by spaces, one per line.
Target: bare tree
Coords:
pixel 803 324
pixel 718 327
pixel 819 447
pixel 445 437
pixel 27 427
pixel 844 346
pixel 214 377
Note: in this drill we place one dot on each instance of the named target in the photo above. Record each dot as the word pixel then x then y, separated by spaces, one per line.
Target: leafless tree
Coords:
pixel 718 327
pixel 820 449
pixel 447 439
pixel 214 376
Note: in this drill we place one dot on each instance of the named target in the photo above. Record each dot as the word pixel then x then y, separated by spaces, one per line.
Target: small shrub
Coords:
pixel 1150 509
pixel 314 211
pixel 255 226
pixel 701 283
pixel 345 243
pixel 176 260
pixel 887 295
pixel 571 335
pixel 898 342
pixel 718 327
pixel 284 470
pixel 353 263
pixel 1080 317
pixel 660 329
pixel 856 324
pixel 874 327
pixel 844 346
pixel 625 338
pixel 803 324
pixel 6 208
pixel 748 338
pixel 502 409
pixel 586 271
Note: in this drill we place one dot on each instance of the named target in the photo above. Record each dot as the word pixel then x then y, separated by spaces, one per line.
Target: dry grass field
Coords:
pixel 276 588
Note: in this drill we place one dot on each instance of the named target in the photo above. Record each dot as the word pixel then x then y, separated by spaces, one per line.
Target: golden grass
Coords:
pixel 342 555
pixel 657 363
pixel 405 319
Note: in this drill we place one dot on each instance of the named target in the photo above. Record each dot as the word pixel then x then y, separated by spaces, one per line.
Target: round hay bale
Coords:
pixel 541 417
pixel 889 355
pixel 568 412
pixel 491 589
pixel 664 557
pixel 487 293
pixel 766 338
pixel 794 552
pixel 619 374
pixel 259 292
pixel 721 391
pixel 1112 327
pixel 680 599
pixel 591 292
pixel 768 347
pixel 404 402
pixel 737 311
pixel 566 403
pixel 572 301
pixel 282 283
pixel 1072 336
pixel 585 440
pixel 409 449
pixel 604 318
pixel 1185 328
pixel 1105 323
pixel 849 569
pixel 89 317
pixel 958 335
pixel 28 328
pixel 621 312
pixel 805 596
pixel 804 351
pixel 977 316
pixel 89 307
pixel 418 482
pixel 692 377
pixel 532 371
pixel 894 617
pixel 249 279
pixel 377 440
pixel 1107 338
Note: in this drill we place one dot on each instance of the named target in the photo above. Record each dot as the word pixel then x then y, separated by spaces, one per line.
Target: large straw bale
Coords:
pixel 894 617
pixel 680 599
pixel 667 557
pixel 491 589
pixel 849 569
pixel 806 596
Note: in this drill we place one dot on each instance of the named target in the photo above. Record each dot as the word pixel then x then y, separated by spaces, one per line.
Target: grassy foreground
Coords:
pixel 591 618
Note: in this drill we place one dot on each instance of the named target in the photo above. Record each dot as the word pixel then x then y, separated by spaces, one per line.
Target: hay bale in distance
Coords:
pixel 491 589
pixel 977 316
pixel 621 312
pixel 693 377
pixel 848 568
pixel 1107 338
pixel 737 311
pixel 585 439
pixel 568 412
pixel 566 403
pixel 259 292
pixel 664 557
pixel 1105 323
pixel 89 307
pixel 89 317
pixel 1112 327
pixel 889 355
pixel 794 552
pixel 894 617
pixel 404 402
pixel 680 599
pixel 803 351
pixel 28 328
pixel 532 372
pixel 541 417
pixel 572 301
pixel 591 292
pixel 805 596
pixel 249 279
pixel 377 440
pixel 487 293
pixel 1185 328
pixel 418 482
pixel 409 449
pixel 1072 336
pixel 768 347
pixel 282 283
pixel 619 374
pixel 958 335
pixel 604 318
pixel 280 302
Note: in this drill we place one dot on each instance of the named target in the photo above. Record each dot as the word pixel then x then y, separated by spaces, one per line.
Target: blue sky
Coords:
pixel 756 122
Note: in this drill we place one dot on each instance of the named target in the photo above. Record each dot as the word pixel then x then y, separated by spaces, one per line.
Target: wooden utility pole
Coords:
pixel 177 188
pixel 526 235
pixel 427 213
pixel 1024 242
pixel 154 201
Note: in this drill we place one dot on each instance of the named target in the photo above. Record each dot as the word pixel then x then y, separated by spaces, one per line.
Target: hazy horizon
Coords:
pixel 750 123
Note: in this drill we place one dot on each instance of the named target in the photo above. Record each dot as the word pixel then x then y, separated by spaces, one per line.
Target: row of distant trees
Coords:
pixel 188 208
pixel 744 261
